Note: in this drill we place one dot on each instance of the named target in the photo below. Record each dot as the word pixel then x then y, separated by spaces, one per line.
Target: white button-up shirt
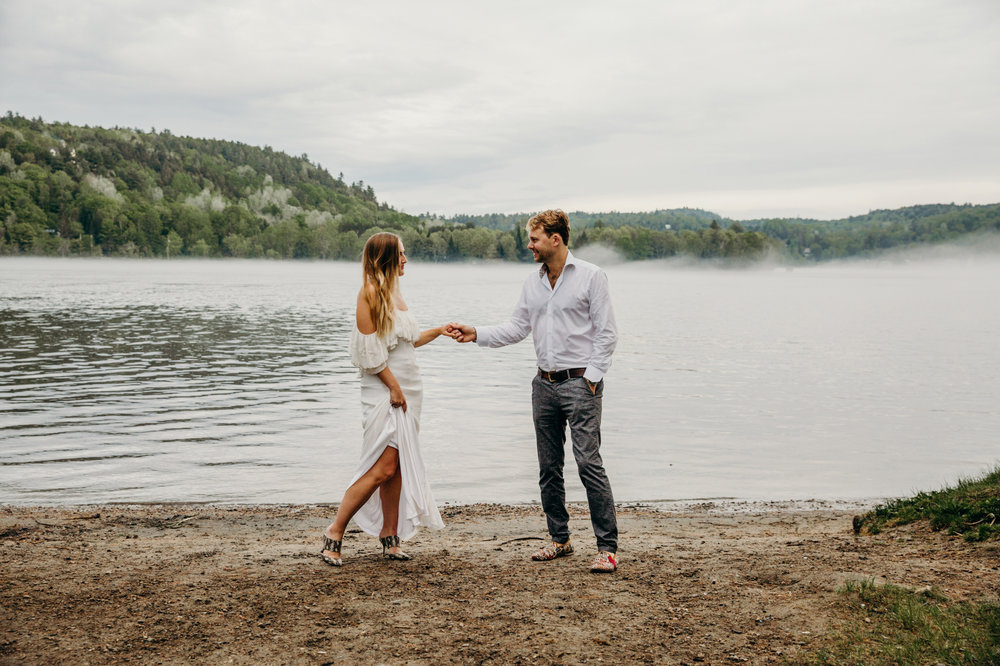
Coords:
pixel 572 323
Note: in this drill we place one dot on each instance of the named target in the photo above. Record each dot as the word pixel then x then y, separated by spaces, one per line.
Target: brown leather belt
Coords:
pixel 561 375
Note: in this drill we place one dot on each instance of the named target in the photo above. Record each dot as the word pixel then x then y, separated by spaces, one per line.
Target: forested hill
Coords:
pixel 674 218
pixel 79 190
pixel 703 234
pixel 70 190
pixel 697 219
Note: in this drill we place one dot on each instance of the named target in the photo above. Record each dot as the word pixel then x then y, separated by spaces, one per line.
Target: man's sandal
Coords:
pixel 604 562
pixel 392 541
pixel 332 545
pixel 552 551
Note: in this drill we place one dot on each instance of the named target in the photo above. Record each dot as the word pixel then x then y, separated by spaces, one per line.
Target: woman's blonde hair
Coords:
pixel 380 262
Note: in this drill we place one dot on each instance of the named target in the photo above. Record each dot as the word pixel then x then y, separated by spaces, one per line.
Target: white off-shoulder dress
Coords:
pixel 385 425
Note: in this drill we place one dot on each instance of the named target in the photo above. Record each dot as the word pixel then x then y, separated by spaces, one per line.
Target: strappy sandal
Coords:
pixel 331 545
pixel 392 541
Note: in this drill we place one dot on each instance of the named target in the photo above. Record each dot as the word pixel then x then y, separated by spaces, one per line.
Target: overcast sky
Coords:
pixel 746 108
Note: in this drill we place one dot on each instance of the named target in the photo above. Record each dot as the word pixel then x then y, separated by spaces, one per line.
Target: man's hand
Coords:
pixel 462 332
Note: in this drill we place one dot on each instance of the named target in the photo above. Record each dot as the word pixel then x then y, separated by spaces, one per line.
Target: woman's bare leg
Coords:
pixel 385 468
pixel 389 495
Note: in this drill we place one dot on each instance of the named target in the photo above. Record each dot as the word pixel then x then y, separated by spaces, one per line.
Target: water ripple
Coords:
pixel 146 378
pixel 139 381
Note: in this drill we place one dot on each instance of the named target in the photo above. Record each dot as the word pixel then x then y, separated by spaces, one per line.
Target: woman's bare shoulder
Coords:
pixel 365 321
pixel 367 293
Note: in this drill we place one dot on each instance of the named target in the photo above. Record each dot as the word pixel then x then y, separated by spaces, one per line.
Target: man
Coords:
pixel 567 307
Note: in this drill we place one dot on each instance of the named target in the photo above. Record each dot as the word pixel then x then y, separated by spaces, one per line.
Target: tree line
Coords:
pixel 67 190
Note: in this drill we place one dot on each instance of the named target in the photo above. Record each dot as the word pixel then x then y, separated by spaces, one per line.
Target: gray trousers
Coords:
pixel 553 406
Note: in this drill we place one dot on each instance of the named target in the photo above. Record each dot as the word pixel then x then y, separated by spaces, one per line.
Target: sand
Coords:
pixel 244 584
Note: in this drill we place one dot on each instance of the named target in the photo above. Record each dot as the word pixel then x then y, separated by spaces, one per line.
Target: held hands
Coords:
pixel 461 332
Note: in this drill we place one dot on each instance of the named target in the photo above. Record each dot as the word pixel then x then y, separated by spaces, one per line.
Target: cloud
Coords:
pixel 781 106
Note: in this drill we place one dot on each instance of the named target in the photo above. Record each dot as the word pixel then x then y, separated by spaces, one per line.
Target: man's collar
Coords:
pixel 570 261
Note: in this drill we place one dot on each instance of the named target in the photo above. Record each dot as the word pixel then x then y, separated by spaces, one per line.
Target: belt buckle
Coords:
pixel 555 377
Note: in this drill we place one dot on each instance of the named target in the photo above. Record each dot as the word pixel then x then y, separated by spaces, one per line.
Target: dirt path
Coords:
pixel 208 584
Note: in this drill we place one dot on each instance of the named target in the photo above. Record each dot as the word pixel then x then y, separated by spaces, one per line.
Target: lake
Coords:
pixel 229 381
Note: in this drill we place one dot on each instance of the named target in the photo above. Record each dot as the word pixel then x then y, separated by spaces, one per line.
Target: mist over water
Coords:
pixel 229 381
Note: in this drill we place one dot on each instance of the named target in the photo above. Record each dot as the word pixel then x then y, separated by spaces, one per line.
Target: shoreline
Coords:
pixel 185 583
pixel 707 504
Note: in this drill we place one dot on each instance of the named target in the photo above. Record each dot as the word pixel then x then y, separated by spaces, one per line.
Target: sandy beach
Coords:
pixel 190 583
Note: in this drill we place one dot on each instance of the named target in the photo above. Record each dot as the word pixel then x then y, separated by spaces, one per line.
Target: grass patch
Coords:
pixel 970 508
pixel 888 624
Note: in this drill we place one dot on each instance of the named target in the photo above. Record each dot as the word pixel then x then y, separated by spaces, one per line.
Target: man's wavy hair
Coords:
pixel 551 222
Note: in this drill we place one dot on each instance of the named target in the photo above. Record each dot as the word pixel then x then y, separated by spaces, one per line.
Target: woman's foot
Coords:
pixel 391 549
pixel 331 550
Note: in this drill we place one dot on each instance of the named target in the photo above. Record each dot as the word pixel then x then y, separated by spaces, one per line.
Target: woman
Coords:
pixel 382 348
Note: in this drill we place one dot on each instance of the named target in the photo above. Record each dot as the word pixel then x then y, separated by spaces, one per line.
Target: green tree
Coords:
pixel 201 249
pixel 236 246
pixel 475 243
pixel 173 244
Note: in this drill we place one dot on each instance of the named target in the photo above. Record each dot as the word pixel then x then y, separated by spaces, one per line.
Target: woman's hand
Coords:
pixel 396 398
pixel 447 330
